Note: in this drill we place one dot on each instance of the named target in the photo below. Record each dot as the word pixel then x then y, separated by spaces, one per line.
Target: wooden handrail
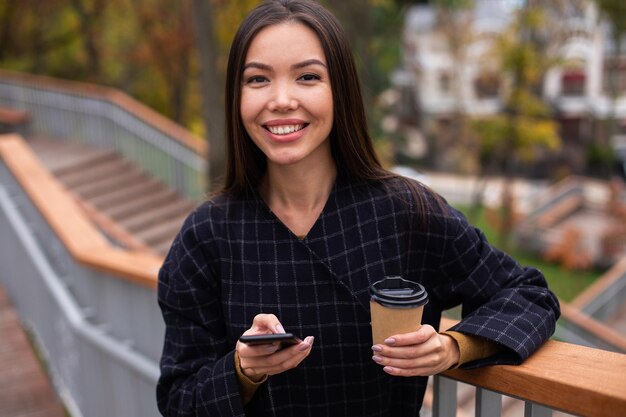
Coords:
pixel 117 97
pixel 607 279
pixel 82 239
pixel 13 117
pixel 571 378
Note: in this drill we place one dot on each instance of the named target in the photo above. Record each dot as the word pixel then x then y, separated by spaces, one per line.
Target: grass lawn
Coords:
pixel 565 284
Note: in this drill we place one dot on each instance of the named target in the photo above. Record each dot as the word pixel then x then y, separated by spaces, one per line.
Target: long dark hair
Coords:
pixel 351 145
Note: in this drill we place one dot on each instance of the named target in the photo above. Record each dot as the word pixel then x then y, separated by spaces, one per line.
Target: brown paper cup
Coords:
pixel 388 321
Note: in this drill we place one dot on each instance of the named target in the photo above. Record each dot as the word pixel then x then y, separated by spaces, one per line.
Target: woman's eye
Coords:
pixel 257 79
pixel 310 77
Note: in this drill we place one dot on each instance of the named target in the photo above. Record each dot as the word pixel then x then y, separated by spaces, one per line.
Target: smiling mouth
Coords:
pixel 286 129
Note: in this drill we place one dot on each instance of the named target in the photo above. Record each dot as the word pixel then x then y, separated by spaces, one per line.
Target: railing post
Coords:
pixel 444 397
pixel 535 410
pixel 488 403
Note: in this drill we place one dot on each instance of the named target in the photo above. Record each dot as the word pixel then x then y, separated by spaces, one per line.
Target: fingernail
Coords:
pixel 280 329
pixel 377 358
pixel 390 341
pixel 308 342
pixel 377 348
pixel 388 369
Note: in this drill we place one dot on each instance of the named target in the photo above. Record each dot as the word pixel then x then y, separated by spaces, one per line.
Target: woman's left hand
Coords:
pixel 420 353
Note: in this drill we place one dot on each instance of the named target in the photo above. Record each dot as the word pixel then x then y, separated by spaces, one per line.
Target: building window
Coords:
pixel 570 129
pixel 573 82
pixel 614 76
pixel 445 82
pixel 487 85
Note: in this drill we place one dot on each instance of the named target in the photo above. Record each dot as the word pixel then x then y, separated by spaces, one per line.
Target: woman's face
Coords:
pixel 286 96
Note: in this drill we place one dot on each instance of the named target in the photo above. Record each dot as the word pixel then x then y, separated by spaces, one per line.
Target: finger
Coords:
pixel 264 323
pixel 419 368
pixel 281 361
pixel 290 363
pixel 406 372
pixel 246 351
pixel 410 368
pixel 433 360
pixel 421 335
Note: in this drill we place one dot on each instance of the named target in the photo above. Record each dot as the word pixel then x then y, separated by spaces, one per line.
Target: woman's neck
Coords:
pixel 297 195
pixel 298 187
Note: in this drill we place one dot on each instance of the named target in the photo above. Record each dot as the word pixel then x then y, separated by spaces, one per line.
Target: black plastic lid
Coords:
pixel 397 292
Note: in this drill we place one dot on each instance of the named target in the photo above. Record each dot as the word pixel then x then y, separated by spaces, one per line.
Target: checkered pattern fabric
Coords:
pixel 234 259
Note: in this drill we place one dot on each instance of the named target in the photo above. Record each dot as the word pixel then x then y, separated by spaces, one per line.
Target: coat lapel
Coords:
pixel 353 240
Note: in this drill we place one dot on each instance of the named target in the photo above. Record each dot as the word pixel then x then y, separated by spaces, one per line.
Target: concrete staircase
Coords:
pixel 132 207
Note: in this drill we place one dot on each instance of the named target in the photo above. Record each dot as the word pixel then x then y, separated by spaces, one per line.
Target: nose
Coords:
pixel 283 99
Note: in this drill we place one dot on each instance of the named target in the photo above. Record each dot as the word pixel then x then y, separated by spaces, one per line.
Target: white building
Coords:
pixel 578 88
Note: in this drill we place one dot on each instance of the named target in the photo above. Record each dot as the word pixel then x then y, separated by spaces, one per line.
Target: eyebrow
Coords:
pixel 303 64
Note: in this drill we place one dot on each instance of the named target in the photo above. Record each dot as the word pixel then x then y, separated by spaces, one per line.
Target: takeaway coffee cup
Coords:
pixel 396 307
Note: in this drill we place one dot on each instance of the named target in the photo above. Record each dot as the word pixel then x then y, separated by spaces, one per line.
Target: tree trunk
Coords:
pixel 88 20
pixel 7 28
pixel 356 20
pixel 178 91
pixel 212 84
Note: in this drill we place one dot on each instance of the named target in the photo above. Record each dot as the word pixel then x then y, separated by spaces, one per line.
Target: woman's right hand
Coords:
pixel 260 360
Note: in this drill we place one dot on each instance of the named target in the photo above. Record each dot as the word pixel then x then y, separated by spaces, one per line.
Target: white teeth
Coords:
pixel 284 130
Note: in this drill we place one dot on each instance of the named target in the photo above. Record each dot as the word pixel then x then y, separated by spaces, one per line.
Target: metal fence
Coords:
pixel 95 119
pixel 101 336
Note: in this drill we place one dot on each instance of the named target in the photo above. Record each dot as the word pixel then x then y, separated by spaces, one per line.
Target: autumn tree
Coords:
pixel 214 25
pixel 454 22
pixel 167 45
pixel 34 35
pixel 90 14
pixel 524 129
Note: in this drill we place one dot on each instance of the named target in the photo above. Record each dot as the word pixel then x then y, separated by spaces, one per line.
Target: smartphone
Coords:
pixel 285 339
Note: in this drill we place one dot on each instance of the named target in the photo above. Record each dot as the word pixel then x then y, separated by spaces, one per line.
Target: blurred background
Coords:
pixel 533 90
pixel 513 110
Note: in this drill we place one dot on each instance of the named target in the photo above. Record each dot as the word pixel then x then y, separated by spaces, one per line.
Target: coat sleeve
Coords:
pixel 197 365
pixel 502 301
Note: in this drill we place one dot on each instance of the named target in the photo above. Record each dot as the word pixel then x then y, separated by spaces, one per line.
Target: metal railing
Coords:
pixel 100 335
pixel 108 119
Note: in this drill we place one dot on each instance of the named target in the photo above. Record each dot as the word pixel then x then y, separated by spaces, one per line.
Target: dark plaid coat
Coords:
pixel 234 259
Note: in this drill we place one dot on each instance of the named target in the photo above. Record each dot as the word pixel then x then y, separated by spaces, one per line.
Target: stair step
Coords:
pixel 61 158
pixel 162 232
pixel 77 176
pixel 139 205
pixel 116 189
pixel 163 247
pixel 156 216
pixel 109 184
pixel 124 194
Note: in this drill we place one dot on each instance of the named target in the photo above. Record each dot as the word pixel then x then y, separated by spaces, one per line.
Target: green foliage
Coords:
pixel 525 128
pixel 615 12
pixel 453 4
pixel 146 47
pixel 600 155
pixel 229 15
pixel 527 135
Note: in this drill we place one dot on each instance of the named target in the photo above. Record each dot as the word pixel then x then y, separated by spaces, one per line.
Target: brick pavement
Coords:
pixel 25 389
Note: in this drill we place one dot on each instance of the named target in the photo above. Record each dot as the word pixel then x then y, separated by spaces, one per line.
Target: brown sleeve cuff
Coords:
pixel 472 348
pixel 247 387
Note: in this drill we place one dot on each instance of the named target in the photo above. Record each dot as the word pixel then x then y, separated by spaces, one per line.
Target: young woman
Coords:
pixel 306 221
